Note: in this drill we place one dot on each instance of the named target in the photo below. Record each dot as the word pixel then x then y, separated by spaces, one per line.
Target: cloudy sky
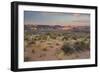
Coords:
pixel 56 18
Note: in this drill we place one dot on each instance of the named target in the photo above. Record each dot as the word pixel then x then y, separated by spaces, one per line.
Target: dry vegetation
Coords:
pixel 56 46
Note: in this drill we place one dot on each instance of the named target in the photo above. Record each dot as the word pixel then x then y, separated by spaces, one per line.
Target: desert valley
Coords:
pixel 56 42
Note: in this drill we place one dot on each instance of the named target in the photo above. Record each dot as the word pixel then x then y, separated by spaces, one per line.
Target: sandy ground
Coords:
pixel 52 51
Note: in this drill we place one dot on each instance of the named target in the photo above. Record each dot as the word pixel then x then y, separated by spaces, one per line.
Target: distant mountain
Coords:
pixel 81 29
pixel 31 27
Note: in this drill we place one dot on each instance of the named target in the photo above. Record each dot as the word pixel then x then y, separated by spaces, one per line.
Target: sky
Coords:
pixel 56 18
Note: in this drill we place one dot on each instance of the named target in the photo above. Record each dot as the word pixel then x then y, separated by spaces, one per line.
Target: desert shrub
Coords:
pixel 67 48
pixel 48 33
pixel 78 46
pixel 81 45
pixel 87 44
pixel 32 42
pixel 44 49
pixel 53 36
pixel 65 38
pixel 34 39
pixel 74 38
pixel 59 34
pixel 38 38
pixel 33 51
pixel 40 56
pixel 44 37
pixel 60 54
pixel 27 37
pixel 57 44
